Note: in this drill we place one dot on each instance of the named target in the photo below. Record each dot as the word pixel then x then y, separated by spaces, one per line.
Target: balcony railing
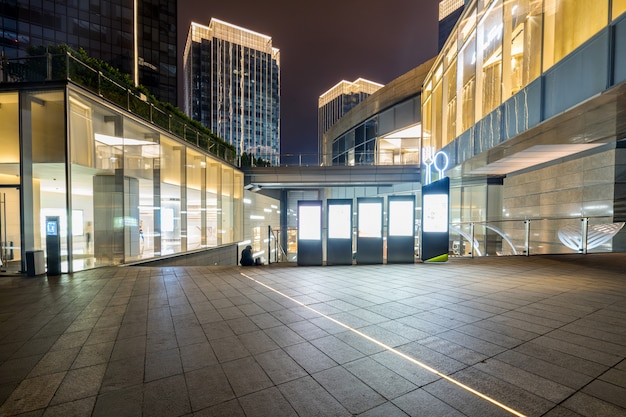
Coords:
pixel 63 67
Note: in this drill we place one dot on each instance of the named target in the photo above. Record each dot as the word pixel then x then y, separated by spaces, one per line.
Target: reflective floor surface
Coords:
pixel 522 336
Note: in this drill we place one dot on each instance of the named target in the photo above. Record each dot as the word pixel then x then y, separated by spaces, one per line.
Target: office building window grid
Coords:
pixel 105 30
pixel 233 87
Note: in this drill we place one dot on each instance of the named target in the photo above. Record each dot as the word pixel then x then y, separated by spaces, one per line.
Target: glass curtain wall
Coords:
pixel 44 144
pixel 498 48
pixel 122 191
pixel 213 202
pixel 196 204
pixel 10 219
pixel 172 172
pixel 619 7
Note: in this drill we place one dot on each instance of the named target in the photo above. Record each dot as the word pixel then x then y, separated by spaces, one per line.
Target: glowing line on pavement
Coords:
pixel 395 351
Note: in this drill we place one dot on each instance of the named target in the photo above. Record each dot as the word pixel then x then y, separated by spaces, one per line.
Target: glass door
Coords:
pixel 10 242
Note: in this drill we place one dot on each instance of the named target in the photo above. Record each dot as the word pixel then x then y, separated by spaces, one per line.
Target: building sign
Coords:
pixel 439 162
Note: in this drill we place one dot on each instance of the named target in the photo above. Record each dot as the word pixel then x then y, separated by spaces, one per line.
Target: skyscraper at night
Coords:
pixel 136 36
pixel 338 100
pixel 232 86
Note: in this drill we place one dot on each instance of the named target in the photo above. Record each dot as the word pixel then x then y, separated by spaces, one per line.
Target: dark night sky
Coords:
pixel 323 42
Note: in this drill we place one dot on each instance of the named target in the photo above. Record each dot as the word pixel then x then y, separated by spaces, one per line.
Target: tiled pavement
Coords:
pixel 544 336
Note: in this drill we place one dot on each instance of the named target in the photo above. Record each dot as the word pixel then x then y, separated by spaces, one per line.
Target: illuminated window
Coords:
pixel 619 7
pixel 568 24
pixel 490 53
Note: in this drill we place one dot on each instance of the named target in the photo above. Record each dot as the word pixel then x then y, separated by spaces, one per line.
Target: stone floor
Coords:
pixel 537 336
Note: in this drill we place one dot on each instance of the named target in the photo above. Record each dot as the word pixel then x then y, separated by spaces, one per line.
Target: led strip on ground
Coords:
pixel 395 351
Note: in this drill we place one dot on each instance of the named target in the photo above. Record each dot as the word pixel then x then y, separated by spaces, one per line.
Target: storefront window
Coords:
pixel 522 34
pixel 237 212
pixel 227 227
pixel 450 109
pixel 45 120
pixel 10 241
pixel 568 24
pixel 467 64
pixel 172 163
pixel 490 58
pixel 196 166
pixel 619 7
pixel 213 205
pixel 141 149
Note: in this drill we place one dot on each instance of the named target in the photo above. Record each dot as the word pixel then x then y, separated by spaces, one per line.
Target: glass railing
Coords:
pixel 537 236
pixel 67 67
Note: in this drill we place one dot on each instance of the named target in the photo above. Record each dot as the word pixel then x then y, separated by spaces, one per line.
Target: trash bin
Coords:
pixel 35 263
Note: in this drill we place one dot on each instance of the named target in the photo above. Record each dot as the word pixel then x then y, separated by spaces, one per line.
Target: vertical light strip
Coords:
pixel 395 351
pixel 135 43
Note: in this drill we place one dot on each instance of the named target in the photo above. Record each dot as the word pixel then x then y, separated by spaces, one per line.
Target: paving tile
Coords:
pixel 78 408
pixel 411 372
pixel 226 409
pixel 387 409
pixel 161 364
pixel 548 370
pixel 419 403
pixel 268 402
pixel 381 379
pixel 608 392
pixel 591 406
pixel 197 356
pixel 123 373
pixel 308 398
pixel 542 387
pixel 55 361
pixel 94 354
pixel 283 336
pixel 351 392
pixel 228 349
pixel 246 376
pixel 207 387
pixel 279 366
pixel 336 349
pixel 166 397
pixel 309 357
pixel 79 384
pixel 32 394
pixel 126 348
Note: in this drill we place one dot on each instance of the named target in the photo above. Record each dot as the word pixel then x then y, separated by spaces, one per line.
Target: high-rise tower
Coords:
pixel 138 37
pixel 337 101
pixel 232 86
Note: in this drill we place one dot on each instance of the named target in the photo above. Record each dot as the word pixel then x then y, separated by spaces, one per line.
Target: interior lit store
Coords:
pixel 121 189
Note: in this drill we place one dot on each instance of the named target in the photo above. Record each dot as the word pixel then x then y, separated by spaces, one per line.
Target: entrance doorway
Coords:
pixel 10 242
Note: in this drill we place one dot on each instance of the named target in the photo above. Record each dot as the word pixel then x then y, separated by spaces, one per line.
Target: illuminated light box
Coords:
pixel 435 212
pixel 435 221
pixel 339 221
pixel 401 219
pixel 310 232
pixel 370 220
pixel 401 229
pixel 310 222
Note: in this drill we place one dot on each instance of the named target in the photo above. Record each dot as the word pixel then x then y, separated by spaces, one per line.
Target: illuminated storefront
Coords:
pixel 527 100
pixel 124 189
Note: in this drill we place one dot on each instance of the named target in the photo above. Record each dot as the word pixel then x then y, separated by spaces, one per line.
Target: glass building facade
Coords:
pixel 232 86
pixel 526 99
pixel 497 50
pixel 138 37
pixel 124 190
pixel 338 100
